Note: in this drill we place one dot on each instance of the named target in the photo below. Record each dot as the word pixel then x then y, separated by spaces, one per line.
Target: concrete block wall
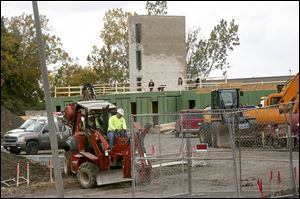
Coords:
pixel 162 49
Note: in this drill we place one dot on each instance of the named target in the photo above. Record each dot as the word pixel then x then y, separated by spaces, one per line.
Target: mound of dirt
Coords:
pixel 9 121
pixel 8 168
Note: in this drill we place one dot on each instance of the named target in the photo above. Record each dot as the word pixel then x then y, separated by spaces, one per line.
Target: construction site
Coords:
pixel 205 137
pixel 178 166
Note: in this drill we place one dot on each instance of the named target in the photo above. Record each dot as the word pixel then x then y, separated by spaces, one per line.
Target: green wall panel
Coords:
pixel 168 101
pixel 143 105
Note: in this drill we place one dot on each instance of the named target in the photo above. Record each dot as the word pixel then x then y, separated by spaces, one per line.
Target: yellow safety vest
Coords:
pixel 97 123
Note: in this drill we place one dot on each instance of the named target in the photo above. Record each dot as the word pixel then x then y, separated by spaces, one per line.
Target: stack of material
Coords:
pixel 164 128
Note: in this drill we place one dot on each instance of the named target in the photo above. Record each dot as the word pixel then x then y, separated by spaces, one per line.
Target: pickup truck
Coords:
pixel 26 124
pixel 36 137
pixel 189 122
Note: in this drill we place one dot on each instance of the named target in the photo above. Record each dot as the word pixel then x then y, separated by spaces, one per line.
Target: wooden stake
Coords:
pixel 27 170
pixel 18 174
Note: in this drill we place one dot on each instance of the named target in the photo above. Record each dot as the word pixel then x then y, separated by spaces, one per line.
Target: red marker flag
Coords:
pixel 27 165
pixel 261 188
pixel 295 172
pixel 279 177
pixel 17 168
pixel 153 151
pixel 270 176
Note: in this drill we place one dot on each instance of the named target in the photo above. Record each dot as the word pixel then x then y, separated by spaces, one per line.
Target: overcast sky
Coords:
pixel 268 31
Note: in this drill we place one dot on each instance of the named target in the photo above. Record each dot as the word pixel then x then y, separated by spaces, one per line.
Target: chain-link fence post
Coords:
pixel 231 129
pixel 188 146
pixel 240 165
pixel 290 143
pixel 132 148
pixel 160 159
pixel 181 154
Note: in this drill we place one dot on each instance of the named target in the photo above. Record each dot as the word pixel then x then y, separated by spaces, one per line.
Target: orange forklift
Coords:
pixel 88 155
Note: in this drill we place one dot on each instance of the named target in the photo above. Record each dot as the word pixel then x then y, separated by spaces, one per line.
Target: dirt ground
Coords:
pixel 212 176
pixel 8 168
pixel 211 172
pixel 9 121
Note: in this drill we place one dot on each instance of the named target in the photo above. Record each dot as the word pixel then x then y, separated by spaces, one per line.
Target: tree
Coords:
pixel 206 55
pixel 111 62
pixel 157 7
pixel 74 75
pixel 20 61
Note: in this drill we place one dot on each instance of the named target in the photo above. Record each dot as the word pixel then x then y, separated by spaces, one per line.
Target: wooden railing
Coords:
pixel 101 89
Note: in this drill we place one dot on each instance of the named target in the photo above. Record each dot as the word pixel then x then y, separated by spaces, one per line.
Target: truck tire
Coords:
pixel 87 175
pixel 32 148
pixel 67 163
pixel 15 151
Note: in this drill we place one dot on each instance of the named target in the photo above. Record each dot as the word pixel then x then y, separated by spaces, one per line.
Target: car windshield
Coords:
pixel 35 127
pixel 27 123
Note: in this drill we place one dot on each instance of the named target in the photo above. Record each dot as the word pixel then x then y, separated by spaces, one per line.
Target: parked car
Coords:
pixel 37 137
pixel 195 116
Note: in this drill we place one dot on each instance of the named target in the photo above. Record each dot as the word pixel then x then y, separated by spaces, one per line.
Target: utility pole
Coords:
pixel 53 141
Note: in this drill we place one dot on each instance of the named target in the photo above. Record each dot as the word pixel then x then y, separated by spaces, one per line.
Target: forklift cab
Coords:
pixel 226 98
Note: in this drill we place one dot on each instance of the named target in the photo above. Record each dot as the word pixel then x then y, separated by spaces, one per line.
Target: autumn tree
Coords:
pixel 111 61
pixel 20 62
pixel 157 7
pixel 206 55
pixel 72 74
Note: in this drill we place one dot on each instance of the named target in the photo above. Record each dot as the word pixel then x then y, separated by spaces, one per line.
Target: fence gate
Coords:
pixel 171 165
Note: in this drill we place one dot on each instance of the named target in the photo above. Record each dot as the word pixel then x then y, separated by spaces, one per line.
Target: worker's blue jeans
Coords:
pixel 111 137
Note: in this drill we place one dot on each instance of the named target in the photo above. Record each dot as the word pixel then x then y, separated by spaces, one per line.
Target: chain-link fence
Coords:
pixel 178 168
pixel 214 154
pixel 268 151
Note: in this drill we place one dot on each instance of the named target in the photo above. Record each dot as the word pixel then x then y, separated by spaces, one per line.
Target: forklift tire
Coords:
pixel 207 134
pixel 215 128
pixel 67 163
pixel 87 175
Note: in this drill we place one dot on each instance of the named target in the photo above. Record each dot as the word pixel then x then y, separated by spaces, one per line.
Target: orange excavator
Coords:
pixel 273 111
pixel 88 154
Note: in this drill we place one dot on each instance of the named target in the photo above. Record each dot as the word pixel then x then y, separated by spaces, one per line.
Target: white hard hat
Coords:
pixel 120 111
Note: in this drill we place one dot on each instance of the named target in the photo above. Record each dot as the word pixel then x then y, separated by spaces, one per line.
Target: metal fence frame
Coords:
pixel 236 158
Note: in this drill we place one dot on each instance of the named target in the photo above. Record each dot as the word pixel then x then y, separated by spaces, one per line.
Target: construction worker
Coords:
pixel 97 123
pixel 116 124
pixel 151 85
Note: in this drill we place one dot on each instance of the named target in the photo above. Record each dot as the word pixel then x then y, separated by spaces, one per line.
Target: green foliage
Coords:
pixel 74 75
pixel 111 62
pixel 157 7
pixel 20 61
pixel 206 55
